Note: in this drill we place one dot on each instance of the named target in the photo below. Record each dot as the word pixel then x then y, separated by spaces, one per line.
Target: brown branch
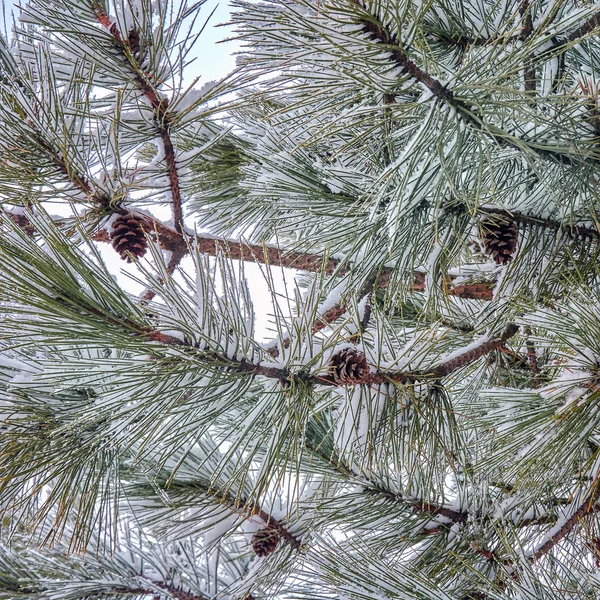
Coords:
pixel 177 243
pixel 583 30
pixel 175 592
pixel 469 356
pixel 162 116
pixel 526 32
pixel 420 506
pixel 587 507
pixel 433 373
pixel 283 375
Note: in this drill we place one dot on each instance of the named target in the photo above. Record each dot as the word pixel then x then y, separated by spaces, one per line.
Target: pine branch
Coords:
pixel 238 505
pixel 575 36
pixel 372 25
pixel 423 507
pixel 420 506
pixel 77 179
pixel 470 355
pixel 163 118
pixel 437 372
pixel 174 592
pixel 526 32
pixel 587 507
pixel 568 228
pixel 170 240
pixel 464 41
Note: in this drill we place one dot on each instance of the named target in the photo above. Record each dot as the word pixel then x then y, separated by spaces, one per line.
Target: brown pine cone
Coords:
pixel 499 238
pixel 133 38
pixel 22 221
pixel 348 366
pixel 127 237
pixel 265 541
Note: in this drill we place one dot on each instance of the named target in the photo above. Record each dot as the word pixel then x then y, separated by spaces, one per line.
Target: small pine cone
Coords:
pixel 265 541
pixel 499 238
pixel 127 237
pixel 134 41
pixel 23 222
pixel 348 366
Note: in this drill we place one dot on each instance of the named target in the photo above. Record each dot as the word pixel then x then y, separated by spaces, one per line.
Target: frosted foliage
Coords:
pixel 416 184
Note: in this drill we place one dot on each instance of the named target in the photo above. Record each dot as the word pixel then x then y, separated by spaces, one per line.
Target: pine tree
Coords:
pixel 424 422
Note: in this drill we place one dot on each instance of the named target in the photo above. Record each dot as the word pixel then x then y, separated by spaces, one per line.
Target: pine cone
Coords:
pixel 499 238
pixel 348 366
pixel 134 41
pixel 23 222
pixel 265 541
pixel 127 237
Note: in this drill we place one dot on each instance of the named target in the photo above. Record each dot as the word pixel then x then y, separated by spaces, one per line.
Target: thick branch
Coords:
pixel 177 243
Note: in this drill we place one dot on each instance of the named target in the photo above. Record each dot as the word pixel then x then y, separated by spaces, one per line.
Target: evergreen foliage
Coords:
pixel 425 422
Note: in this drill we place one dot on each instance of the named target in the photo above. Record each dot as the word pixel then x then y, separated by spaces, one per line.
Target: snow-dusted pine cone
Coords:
pixel 265 541
pixel 348 366
pixel 499 238
pixel 127 237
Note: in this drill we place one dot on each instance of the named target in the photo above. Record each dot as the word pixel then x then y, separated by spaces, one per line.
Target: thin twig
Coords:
pixel 526 32
pixel 587 507
pixel 162 116
pixel 174 261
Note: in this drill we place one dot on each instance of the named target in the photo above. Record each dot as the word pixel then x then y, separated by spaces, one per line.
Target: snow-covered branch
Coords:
pixel 372 25
pixel 163 117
